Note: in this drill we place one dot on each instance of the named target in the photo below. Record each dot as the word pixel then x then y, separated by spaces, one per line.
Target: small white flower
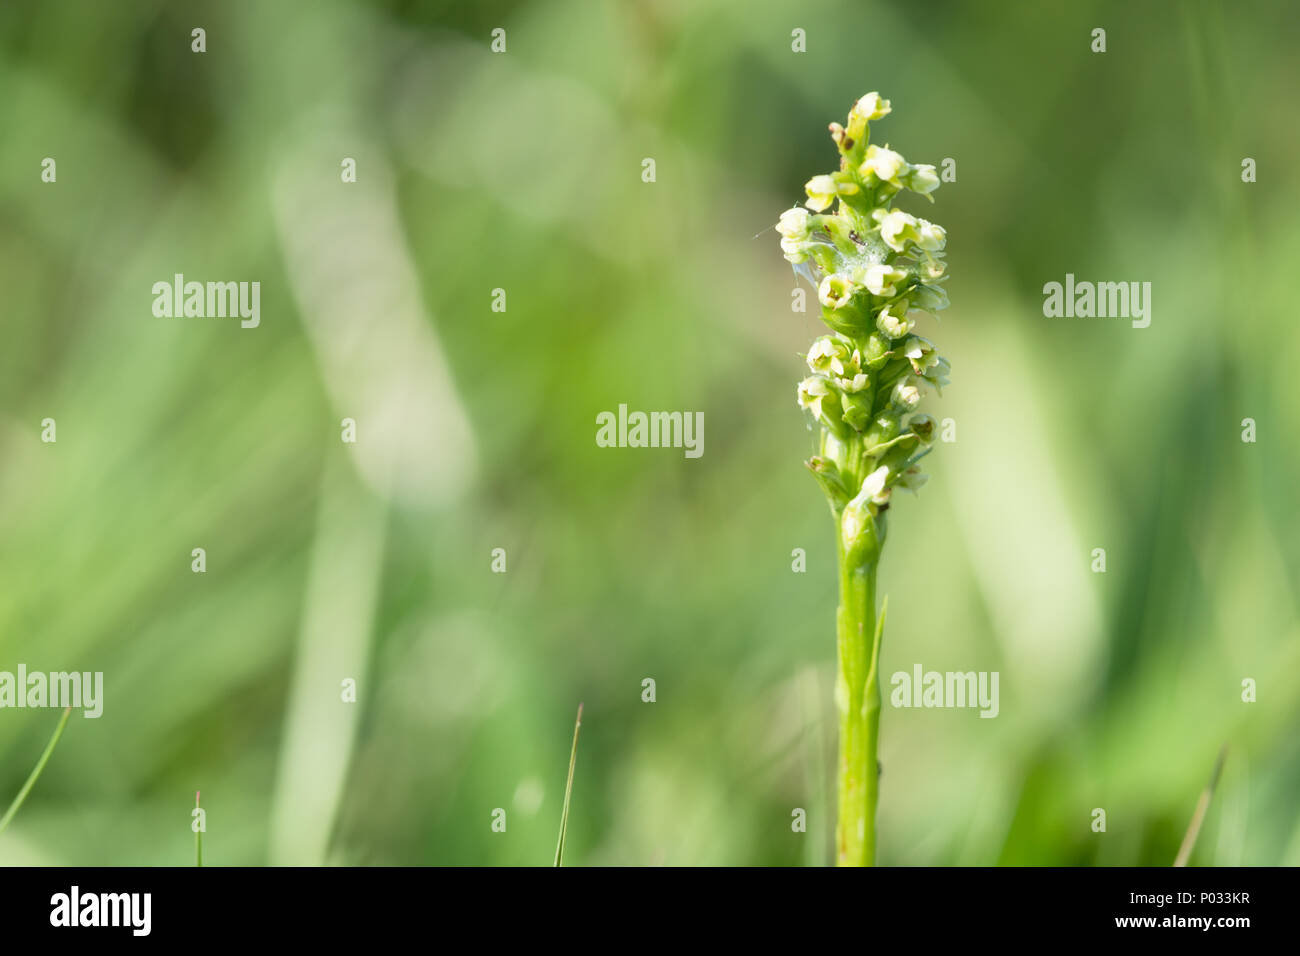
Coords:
pixel 836 291
pixel 930 237
pixel 833 354
pixel 937 374
pixel 848 364
pixel 795 229
pixel 923 179
pixel 920 352
pixel 822 356
pixel 907 395
pixel 854 384
pixel 811 392
pixel 879 278
pixel 884 164
pixel 794 223
pixel 821 192
pixel 896 227
pixel 893 326
pixel 927 363
pixel 819 356
pixel 871 107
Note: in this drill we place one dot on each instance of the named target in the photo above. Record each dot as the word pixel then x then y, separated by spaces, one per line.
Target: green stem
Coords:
pixel 858 698
pixel 36 771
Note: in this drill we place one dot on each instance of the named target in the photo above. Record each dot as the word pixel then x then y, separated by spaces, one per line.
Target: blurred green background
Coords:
pixel 522 171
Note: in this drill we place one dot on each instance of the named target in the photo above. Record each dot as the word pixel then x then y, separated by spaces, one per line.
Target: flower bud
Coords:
pixel 930 298
pixel 874 483
pixel 878 351
pixel 858 522
pixel 857 410
pixel 866 110
pixel 895 452
pixel 884 429
pixel 828 476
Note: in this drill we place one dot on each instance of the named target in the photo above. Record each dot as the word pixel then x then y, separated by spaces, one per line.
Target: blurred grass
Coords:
pixel 522 172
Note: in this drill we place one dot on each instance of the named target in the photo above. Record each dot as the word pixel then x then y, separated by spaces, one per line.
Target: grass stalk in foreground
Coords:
pixel 568 790
pixel 1202 805
pixel 875 268
pixel 36 771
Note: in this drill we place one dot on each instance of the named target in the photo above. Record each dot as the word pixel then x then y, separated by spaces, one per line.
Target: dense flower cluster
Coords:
pixel 876 268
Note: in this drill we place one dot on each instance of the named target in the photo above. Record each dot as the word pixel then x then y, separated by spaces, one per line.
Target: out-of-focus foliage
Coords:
pixel 522 171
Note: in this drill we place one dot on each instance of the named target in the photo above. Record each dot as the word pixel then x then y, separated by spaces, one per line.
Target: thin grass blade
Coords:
pixel 1202 805
pixel 36 771
pixel 568 790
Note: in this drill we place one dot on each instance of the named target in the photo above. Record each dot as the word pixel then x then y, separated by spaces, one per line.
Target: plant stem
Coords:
pixel 36 771
pixel 858 698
